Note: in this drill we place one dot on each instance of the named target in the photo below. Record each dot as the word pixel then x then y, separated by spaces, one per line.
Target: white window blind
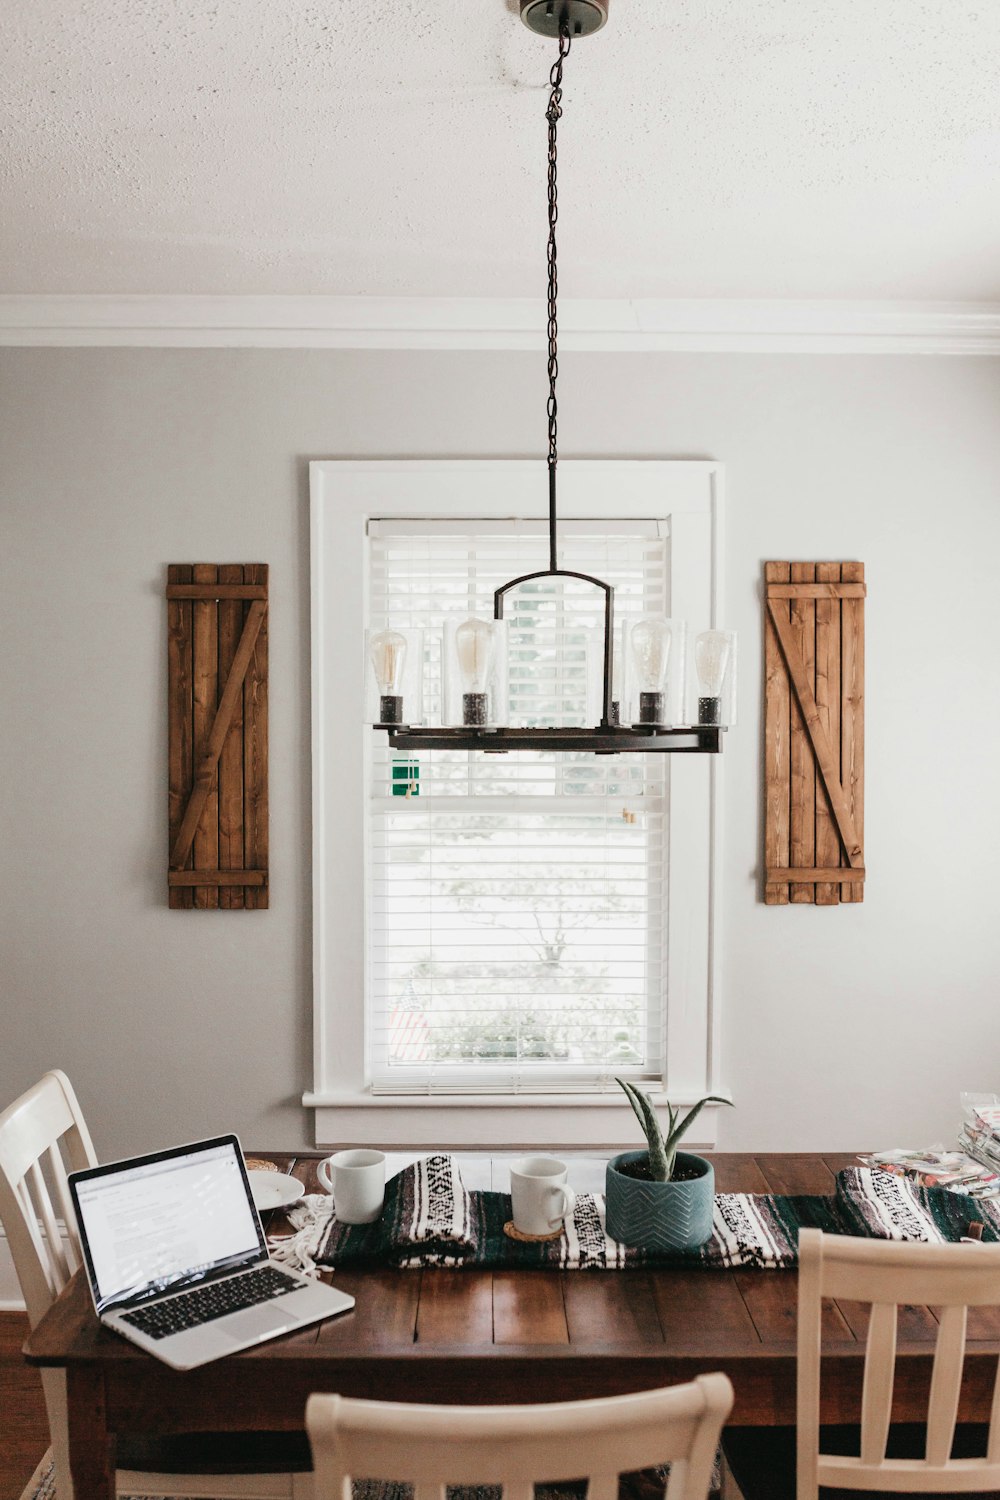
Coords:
pixel 515 902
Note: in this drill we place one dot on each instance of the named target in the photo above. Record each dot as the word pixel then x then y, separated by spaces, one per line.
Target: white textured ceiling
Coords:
pixel 709 148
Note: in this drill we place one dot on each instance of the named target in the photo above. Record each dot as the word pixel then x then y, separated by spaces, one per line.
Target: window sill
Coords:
pixel 494 1121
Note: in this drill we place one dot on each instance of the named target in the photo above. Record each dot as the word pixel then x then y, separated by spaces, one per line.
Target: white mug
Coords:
pixel 357 1181
pixel 540 1197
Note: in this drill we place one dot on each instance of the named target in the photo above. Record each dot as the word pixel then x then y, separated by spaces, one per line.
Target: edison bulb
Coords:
pixel 711 659
pixel 650 646
pixel 387 650
pixel 475 647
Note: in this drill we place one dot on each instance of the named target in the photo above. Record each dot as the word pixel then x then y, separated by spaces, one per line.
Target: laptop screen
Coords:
pixel 160 1221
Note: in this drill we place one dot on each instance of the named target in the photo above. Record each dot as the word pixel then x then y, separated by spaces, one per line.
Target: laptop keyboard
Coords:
pixel 205 1303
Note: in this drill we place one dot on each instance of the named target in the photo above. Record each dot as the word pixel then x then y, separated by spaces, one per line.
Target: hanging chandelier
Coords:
pixel 642 678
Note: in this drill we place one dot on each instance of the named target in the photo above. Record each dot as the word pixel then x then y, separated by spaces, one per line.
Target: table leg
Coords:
pixel 91 1445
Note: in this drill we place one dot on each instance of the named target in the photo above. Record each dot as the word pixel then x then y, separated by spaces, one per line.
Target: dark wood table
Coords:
pixel 504 1336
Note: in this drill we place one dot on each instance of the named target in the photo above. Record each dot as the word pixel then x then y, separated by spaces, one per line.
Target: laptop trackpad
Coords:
pixel 257 1322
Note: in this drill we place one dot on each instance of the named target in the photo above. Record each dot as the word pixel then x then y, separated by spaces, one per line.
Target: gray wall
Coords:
pixel 843 1027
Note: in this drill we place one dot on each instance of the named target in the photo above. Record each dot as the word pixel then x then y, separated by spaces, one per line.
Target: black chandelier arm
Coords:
pixel 691 739
pixel 514 583
pixel 609 619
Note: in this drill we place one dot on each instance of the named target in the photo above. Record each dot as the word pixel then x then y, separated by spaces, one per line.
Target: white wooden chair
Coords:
pixel 43 1136
pixel 886 1274
pixel 516 1447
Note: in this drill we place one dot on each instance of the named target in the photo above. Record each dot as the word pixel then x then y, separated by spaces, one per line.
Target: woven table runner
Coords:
pixel 431 1219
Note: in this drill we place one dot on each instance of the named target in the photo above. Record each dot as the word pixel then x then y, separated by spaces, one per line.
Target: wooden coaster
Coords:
pixel 257 1164
pixel 512 1232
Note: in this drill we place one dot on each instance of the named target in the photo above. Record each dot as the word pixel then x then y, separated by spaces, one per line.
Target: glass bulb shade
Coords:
pixel 394 675
pixel 620 675
pixel 594 683
pixel 475 646
pixel 474 672
pixel 617 663
pixel 650 644
pixel 711 659
pixel 387 653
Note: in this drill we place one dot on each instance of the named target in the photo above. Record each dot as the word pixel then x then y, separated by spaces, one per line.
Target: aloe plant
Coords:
pixel 663 1148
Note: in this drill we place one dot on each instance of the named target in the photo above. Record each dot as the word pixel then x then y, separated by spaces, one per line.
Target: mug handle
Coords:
pixel 569 1203
pixel 322 1172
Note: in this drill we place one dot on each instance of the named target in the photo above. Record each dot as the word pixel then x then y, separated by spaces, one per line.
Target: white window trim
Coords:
pixel 345 495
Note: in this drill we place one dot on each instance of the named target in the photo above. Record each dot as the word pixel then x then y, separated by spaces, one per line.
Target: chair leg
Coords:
pixel 54 1390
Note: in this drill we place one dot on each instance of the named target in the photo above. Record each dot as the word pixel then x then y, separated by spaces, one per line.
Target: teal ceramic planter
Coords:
pixel 660 1215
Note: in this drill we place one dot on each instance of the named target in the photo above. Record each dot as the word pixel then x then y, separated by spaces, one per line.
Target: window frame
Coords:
pixel 344 496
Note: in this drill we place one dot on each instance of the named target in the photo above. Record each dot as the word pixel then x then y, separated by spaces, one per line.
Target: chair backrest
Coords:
pixel 432 1447
pixel 888 1274
pixel 42 1136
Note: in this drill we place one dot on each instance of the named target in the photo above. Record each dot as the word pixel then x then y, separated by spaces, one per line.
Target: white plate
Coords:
pixel 274 1190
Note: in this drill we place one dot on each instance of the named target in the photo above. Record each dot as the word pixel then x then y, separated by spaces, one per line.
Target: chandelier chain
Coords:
pixel 553 114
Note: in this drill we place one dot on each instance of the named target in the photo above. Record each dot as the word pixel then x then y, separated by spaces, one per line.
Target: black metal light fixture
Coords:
pixel 476 646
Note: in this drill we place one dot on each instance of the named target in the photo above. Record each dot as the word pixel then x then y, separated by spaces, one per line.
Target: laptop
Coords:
pixel 176 1256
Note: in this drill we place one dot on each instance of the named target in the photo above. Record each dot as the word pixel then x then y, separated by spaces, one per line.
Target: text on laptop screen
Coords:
pixel 149 1225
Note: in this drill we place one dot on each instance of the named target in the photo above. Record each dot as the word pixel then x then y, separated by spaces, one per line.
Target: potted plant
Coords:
pixel 660 1198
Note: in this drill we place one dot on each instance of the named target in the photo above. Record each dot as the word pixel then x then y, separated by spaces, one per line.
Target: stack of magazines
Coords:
pixel 974 1169
pixel 959 1171
pixel 980 1135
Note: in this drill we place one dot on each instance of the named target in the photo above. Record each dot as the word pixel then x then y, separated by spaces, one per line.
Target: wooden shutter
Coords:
pixel 217 731
pixel 814 717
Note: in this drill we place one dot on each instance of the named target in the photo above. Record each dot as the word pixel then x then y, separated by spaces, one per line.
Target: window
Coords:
pixel 517 939
pixel 515 903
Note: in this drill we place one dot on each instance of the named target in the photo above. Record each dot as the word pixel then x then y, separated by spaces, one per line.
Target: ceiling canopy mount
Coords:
pixel 579 17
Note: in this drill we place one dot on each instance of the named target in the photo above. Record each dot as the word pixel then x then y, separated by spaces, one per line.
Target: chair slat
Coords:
pixel 59 1177
pixel 698 1468
pixel 78 1146
pixel 35 1236
pixel 523 1489
pixel 601 1487
pixel 24 1199
pixel 57 1257
pixel 880 1371
pixel 946 1382
pixel 679 1481
pixel 429 1492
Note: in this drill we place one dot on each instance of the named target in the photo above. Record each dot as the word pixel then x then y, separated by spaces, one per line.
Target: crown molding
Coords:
pixel 717 325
